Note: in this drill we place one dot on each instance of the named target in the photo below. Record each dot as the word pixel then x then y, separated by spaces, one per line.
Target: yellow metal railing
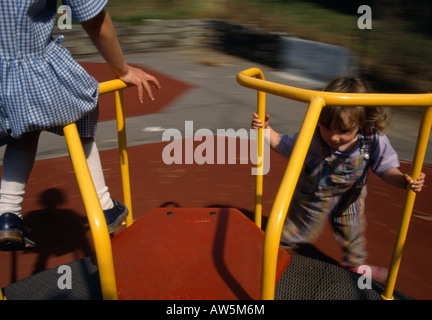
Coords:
pixel 116 86
pixel 254 79
pixel 94 211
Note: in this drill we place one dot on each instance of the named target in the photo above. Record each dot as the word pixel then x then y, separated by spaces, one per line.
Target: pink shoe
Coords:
pixel 378 273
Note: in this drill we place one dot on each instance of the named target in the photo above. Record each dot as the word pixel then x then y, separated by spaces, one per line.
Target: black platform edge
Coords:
pixel 310 279
pixel 304 279
pixel 45 285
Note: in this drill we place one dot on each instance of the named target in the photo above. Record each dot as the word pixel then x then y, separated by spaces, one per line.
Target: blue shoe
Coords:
pixel 13 233
pixel 115 215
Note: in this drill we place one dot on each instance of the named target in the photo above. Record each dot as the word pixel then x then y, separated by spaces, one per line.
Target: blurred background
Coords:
pixel 396 54
pixel 199 84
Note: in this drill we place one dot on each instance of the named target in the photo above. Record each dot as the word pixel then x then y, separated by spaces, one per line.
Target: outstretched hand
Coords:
pixel 142 80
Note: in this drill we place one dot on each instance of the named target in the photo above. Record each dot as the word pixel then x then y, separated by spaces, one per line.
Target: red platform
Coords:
pixel 191 254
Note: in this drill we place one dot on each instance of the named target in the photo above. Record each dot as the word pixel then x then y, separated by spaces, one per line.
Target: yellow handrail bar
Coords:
pixel 253 78
pixel 111 86
pixel 116 86
pixel 284 196
pixel 93 208
pixel 124 160
pixel 95 215
pixel 419 155
pixel 247 79
pixel 260 158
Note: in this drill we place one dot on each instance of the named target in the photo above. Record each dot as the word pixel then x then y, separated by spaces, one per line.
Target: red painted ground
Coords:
pixel 54 212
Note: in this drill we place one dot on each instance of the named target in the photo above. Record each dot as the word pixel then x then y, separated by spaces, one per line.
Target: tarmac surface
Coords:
pixel 200 86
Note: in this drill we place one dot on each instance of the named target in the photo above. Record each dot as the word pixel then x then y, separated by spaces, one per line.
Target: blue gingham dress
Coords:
pixel 41 86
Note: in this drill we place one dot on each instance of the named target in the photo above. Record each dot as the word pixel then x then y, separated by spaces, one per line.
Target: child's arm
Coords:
pixel 274 136
pixel 396 178
pixel 101 31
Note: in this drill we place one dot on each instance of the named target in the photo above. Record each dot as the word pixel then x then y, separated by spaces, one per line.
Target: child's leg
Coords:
pixel 302 225
pixel 93 161
pixel 17 166
pixel 349 231
pixel 114 210
pixel 18 162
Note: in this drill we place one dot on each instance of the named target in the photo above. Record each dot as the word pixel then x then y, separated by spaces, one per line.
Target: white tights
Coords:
pixel 17 166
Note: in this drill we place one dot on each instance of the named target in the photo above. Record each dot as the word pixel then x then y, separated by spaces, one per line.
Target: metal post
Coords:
pixel 261 96
pixel 124 161
pixel 95 214
pixel 419 155
pixel 283 198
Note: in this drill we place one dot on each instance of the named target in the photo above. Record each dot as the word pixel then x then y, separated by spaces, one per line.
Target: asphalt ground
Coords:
pixel 217 101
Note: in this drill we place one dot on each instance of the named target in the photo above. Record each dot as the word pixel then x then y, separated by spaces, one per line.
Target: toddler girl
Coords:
pixel 332 185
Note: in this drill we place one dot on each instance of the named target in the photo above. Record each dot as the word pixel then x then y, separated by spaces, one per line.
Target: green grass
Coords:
pixel 390 52
pixel 134 11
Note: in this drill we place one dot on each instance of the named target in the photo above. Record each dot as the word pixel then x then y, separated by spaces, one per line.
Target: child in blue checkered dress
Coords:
pixel 43 88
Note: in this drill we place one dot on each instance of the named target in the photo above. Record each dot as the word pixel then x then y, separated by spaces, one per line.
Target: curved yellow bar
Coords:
pixel 419 155
pixel 98 226
pixel 253 78
pixel 116 86
pixel 246 79
pixel 284 196
pixel 111 86
pixel 95 215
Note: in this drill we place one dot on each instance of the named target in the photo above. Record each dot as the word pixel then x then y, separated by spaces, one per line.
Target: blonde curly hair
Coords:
pixel 376 117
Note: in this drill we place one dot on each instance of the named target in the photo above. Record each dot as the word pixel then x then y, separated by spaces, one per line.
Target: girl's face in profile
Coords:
pixel 343 135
